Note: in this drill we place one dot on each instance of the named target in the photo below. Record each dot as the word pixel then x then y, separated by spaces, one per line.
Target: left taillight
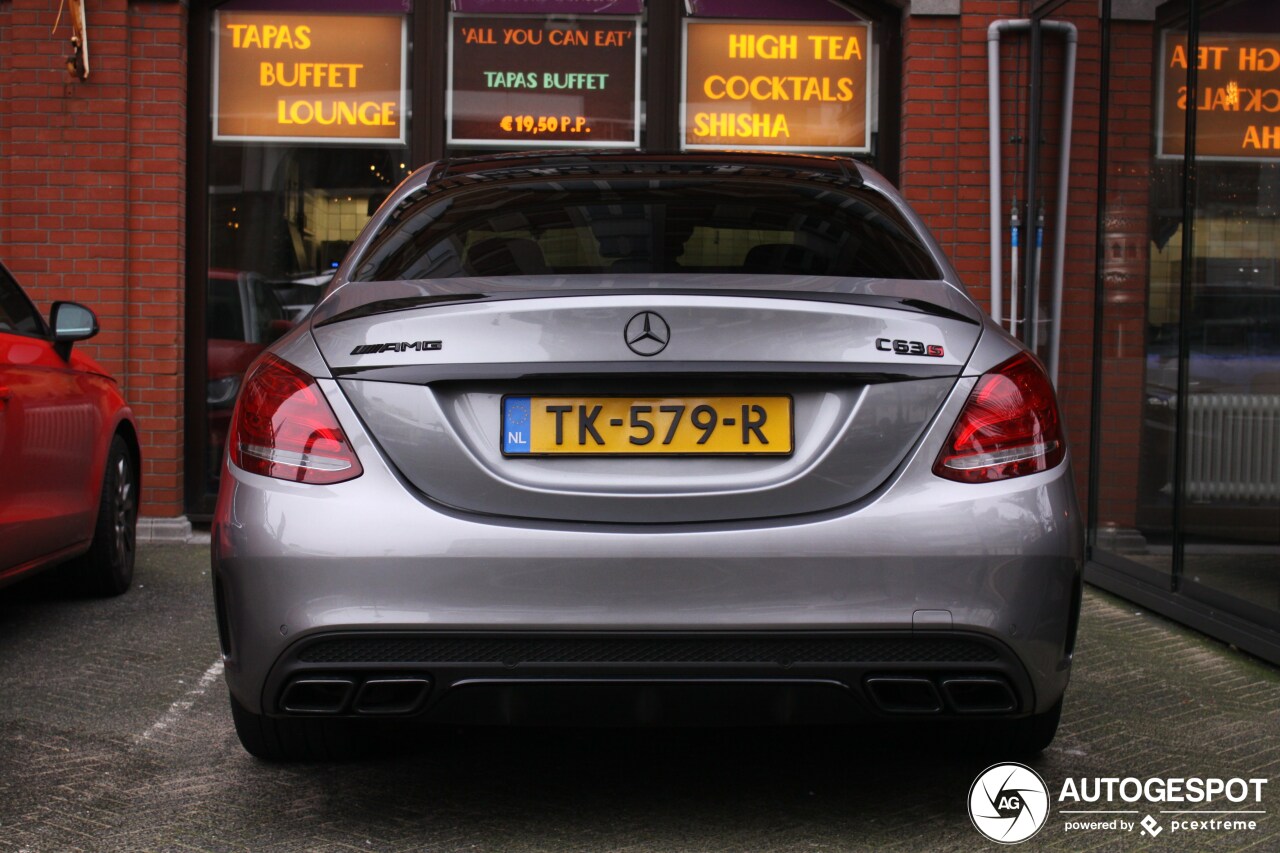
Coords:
pixel 284 428
pixel 1009 426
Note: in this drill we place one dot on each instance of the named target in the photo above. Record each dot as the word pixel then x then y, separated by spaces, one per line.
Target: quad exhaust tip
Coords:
pixel 329 694
pixel 979 695
pixel 960 694
pixel 320 695
pixel 904 694
pixel 391 695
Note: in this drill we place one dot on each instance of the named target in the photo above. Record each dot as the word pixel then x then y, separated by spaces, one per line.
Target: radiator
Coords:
pixel 1233 447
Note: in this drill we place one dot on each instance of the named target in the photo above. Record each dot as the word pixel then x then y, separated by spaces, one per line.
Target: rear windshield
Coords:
pixel 668 225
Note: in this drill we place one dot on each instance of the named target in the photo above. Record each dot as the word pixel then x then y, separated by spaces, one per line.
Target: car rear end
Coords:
pixel 645 439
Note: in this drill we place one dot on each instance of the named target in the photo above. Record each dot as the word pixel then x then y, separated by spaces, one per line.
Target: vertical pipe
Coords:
pixel 1014 224
pixel 1032 326
pixel 1031 309
pixel 1060 222
pixel 993 132
pixel 1032 261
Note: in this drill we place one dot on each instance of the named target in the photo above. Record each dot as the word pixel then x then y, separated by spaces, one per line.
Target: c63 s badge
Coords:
pixel 901 347
pixel 398 346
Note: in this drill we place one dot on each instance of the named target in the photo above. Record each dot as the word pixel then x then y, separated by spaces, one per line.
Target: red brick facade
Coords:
pixel 93 198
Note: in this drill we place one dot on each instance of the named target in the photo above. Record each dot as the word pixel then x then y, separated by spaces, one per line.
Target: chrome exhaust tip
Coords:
pixel 904 694
pixel 317 695
pixel 979 694
pixel 384 696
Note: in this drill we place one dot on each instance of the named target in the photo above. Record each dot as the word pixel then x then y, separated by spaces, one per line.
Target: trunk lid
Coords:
pixel 865 371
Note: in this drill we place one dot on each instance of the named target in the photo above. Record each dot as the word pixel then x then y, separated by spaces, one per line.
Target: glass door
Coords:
pixel 1228 514
pixel 1187 421
pixel 1136 324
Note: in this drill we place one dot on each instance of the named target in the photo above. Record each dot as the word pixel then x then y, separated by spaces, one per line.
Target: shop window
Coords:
pixel 544 80
pixel 1189 494
pixel 309 108
pixel 803 81
pixel 309 132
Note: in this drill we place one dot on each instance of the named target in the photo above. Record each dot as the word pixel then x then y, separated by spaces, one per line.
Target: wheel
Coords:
pixel 107 568
pixel 291 739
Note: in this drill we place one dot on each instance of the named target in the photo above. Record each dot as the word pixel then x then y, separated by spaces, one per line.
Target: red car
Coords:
pixel 69 456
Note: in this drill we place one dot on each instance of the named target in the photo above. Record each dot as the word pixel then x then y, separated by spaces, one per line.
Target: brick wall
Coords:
pixel 945 169
pixel 93 198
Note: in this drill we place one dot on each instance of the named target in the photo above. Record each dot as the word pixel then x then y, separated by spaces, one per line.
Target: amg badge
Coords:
pixel 397 346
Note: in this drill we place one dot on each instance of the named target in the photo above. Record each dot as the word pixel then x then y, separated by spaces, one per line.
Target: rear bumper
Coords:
pixel 992 563
pixel 648 678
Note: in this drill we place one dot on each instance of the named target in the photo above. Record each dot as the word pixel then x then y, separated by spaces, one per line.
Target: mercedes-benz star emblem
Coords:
pixel 647 333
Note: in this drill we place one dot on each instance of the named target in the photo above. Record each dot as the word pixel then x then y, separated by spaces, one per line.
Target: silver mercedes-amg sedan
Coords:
pixel 645 439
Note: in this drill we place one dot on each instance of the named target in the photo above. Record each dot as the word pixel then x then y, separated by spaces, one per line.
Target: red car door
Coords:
pixel 48 429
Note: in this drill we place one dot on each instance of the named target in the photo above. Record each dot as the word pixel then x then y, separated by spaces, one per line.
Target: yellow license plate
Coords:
pixel 646 426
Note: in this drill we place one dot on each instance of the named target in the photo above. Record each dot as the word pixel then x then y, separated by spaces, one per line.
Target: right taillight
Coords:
pixel 284 428
pixel 1009 426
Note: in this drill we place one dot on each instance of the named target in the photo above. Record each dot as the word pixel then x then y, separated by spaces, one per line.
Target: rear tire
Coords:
pixel 292 739
pixel 107 568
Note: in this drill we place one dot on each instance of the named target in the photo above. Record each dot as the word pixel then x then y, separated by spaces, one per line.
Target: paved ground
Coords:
pixel 115 735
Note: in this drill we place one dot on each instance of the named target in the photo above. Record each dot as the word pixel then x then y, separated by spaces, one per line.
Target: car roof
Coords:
pixel 455 173
pixel 827 169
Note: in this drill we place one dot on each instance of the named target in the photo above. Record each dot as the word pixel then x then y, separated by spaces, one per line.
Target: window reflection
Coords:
pixel 281 220
pixel 1197 369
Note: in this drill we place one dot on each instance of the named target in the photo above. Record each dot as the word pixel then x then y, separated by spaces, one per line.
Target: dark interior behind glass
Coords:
pixel 611 226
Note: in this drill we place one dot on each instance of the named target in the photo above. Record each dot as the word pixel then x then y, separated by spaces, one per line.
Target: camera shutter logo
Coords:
pixel 1008 803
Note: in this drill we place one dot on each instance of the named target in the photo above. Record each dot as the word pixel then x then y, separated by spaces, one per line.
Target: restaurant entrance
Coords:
pixel 316 111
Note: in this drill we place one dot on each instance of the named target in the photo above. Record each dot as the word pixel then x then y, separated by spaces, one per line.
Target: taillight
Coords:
pixel 1009 426
pixel 284 428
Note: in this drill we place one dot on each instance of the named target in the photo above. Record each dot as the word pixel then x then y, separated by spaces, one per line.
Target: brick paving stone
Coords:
pixel 109 742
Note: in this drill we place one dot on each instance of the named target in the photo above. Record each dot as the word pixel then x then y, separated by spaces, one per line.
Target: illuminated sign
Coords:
pixel 1237 96
pixel 544 82
pixel 776 86
pixel 309 77
pixel 550 7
